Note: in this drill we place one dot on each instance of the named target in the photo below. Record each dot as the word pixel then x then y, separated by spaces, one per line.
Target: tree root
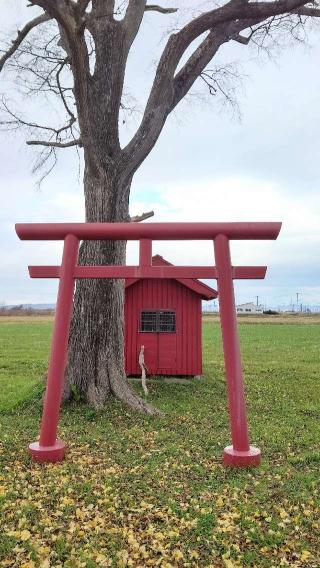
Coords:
pixel 119 388
pixel 122 390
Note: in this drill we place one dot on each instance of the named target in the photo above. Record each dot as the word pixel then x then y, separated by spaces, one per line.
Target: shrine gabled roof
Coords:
pixel 205 291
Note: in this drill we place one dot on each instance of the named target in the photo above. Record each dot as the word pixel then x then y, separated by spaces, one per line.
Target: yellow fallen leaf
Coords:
pixel 228 563
pixel 25 535
pixel 172 534
pixel 12 533
pixel 67 501
pixel 219 502
pixel 283 514
pixel 102 559
pixel 305 554
pixel 177 554
pixel 44 550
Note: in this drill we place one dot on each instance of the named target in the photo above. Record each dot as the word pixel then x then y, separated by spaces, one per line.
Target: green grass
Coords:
pixel 142 491
pixel 23 360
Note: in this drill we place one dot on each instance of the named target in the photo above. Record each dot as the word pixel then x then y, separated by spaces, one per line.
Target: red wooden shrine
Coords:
pixel 49 447
pixel 165 317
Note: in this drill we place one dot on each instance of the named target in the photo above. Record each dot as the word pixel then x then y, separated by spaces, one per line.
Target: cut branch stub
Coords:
pixel 142 217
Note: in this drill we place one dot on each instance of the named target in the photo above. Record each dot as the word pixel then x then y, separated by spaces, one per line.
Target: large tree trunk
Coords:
pixel 95 368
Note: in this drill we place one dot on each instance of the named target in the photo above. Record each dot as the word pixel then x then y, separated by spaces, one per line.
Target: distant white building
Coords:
pixel 249 308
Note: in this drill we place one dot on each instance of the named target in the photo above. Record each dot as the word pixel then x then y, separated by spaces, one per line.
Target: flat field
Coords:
pixel 141 491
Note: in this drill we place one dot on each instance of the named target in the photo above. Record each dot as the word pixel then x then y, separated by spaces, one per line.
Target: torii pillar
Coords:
pixel 240 453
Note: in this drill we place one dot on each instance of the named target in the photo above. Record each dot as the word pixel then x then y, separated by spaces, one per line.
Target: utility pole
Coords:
pixel 257 300
pixel 298 294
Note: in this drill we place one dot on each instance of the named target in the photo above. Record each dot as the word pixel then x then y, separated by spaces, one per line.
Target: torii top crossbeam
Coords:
pixel 49 448
pixel 154 231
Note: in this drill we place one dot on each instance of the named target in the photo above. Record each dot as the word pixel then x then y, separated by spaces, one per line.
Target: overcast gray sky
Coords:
pixel 207 166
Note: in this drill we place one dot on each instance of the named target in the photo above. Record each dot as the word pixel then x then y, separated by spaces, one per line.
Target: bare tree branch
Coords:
pixel 102 9
pixel 21 36
pixel 133 18
pixel 45 163
pixel 223 24
pixel 306 11
pixel 202 56
pixel 54 144
pixel 17 121
pixel 160 9
pixel 224 81
pixel 268 32
pixel 196 63
pixel 72 28
pixel 62 10
pixel 241 39
pixel 240 10
pixel 82 5
pixel 61 91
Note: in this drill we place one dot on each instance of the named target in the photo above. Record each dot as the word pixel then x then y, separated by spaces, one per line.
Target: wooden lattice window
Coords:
pixel 148 321
pixel 163 321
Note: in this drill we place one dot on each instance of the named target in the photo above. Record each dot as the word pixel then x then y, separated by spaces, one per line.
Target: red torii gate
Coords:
pixel 49 448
